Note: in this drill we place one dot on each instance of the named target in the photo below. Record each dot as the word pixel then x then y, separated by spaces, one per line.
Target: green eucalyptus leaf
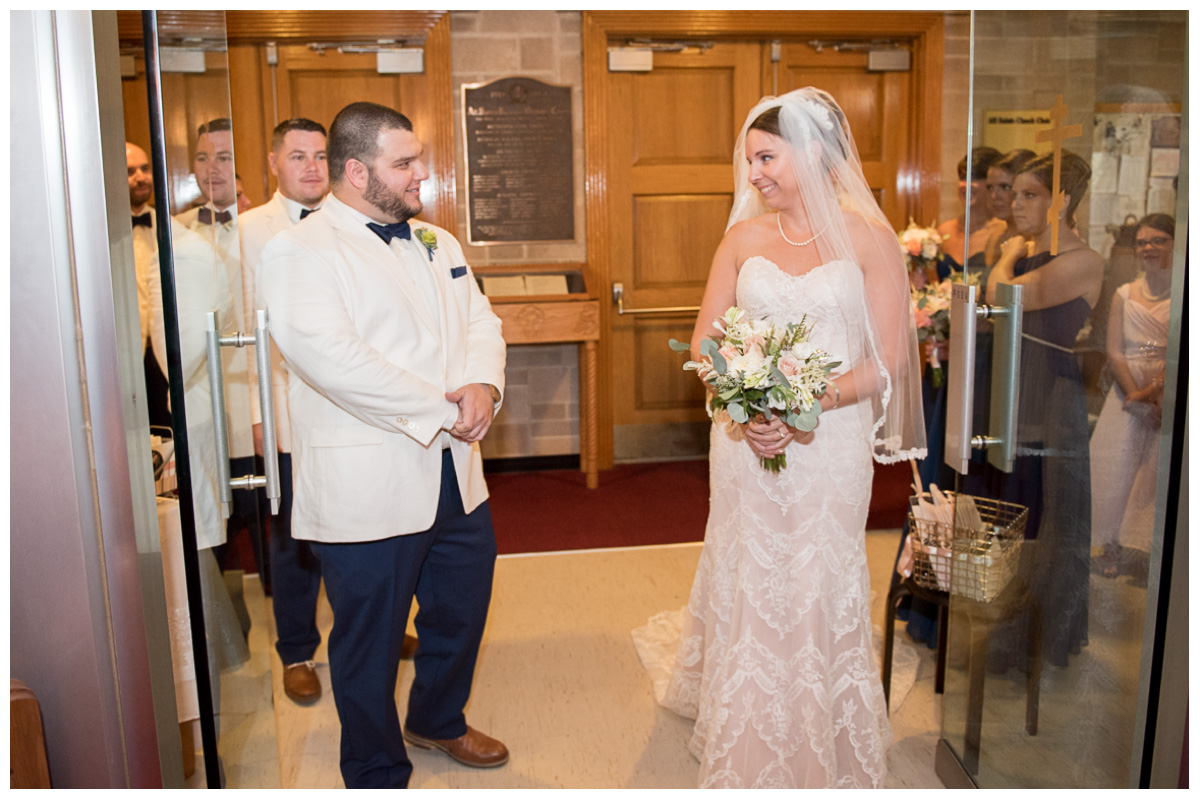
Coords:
pixel 807 420
pixel 718 361
pixel 679 347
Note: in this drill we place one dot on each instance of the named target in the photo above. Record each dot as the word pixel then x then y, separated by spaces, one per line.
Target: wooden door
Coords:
pixel 316 85
pixel 657 401
pixel 879 111
pixel 672 132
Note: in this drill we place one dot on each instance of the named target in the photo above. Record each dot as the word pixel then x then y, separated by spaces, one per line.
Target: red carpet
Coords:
pixel 636 504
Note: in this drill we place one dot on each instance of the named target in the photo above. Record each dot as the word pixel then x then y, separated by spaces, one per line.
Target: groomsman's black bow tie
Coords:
pixel 304 212
pixel 143 220
pixel 397 230
pixel 206 216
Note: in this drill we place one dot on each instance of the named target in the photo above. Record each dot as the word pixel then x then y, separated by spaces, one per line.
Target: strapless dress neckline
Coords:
pixel 785 273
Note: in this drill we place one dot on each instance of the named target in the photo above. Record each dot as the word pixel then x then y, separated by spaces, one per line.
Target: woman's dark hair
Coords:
pixel 1073 180
pixel 981 158
pixel 355 134
pixel 767 122
pixel 1014 161
pixel 1159 222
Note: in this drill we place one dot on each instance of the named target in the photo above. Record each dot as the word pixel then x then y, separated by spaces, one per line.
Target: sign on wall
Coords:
pixel 1016 130
pixel 519 162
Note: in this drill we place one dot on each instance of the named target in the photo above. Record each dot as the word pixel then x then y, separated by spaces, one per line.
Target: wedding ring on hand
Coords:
pixel 782 436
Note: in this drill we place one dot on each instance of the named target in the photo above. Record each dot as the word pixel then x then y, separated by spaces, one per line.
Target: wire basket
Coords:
pixel 975 563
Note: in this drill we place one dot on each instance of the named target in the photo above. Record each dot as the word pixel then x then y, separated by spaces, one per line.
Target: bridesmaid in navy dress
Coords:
pixel 1052 475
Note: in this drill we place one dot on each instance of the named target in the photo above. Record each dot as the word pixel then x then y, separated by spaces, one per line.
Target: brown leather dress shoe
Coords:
pixel 473 748
pixel 300 682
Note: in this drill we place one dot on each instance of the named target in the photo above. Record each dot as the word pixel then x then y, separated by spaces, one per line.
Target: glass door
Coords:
pixel 194 286
pixel 1065 452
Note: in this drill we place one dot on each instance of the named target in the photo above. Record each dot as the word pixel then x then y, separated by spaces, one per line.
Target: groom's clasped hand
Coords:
pixel 475 409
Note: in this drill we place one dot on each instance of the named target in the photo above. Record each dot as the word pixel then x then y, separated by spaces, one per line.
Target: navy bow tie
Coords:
pixel 304 212
pixel 397 230
pixel 143 220
pixel 206 216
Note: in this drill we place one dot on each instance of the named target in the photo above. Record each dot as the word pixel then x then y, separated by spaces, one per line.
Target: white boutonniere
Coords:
pixel 427 237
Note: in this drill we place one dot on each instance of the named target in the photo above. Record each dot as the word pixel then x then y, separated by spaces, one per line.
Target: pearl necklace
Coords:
pixel 1146 291
pixel 779 220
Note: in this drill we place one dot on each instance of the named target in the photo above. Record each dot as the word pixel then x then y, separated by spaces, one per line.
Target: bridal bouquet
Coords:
pixel 922 250
pixel 760 369
pixel 931 313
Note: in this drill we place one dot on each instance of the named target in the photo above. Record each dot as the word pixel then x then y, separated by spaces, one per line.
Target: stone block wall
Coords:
pixel 540 416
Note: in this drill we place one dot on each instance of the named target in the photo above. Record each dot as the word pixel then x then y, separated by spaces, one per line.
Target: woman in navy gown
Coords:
pixel 1051 475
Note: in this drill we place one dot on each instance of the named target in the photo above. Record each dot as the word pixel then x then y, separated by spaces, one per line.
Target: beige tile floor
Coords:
pixel 558 681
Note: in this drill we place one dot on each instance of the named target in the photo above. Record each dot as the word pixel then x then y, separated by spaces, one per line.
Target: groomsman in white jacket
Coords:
pixel 145 244
pixel 396 368
pixel 297 160
pixel 217 222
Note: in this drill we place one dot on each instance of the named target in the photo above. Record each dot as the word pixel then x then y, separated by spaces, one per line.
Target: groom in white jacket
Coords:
pixel 396 366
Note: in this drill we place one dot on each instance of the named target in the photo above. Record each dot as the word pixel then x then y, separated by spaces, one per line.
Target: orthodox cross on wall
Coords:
pixel 1056 134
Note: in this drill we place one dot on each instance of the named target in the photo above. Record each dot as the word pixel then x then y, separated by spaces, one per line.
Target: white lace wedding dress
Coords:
pixel 774 660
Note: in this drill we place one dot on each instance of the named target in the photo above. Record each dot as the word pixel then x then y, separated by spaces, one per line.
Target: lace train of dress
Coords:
pixel 775 659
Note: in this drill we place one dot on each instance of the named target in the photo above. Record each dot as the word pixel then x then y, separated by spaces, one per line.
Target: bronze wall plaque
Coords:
pixel 519 157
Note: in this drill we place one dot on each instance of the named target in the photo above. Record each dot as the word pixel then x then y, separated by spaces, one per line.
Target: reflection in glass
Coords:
pixel 1045 685
pixel 201 193
pixel 1125 442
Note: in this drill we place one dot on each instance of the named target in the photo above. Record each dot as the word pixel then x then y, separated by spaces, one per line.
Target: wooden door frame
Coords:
pixel 925 29
pixel 434 102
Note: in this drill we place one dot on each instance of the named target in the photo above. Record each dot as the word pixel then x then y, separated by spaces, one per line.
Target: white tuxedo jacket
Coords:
pixel 369 367
pixel 224 239
pixel 257 227
pixel 145 245
pixel 201 285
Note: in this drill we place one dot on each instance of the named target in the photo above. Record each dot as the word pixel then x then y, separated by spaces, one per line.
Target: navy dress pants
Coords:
pixel 370 586
pixel 295 579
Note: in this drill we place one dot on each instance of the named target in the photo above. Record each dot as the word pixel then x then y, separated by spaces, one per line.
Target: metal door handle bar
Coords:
pixel 1006 359
pixel 225 483
pixel 618 294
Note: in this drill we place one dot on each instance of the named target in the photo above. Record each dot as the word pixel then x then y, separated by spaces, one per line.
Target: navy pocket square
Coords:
pixel 457 272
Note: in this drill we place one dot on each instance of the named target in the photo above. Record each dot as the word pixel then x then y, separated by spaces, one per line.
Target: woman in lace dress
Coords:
pixel 774 660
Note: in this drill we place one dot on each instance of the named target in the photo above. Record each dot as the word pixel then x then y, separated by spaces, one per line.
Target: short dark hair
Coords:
pixel 1073 179
pixel 1159 222
pixel 214 125
pixel 294 124
pixel 981 158
pixel 355 134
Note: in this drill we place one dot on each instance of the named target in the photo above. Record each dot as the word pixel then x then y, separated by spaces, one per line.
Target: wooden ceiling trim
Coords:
pixel 287 26
pixel 768 24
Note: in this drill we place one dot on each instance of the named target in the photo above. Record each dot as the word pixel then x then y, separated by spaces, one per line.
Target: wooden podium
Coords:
pixel 557 319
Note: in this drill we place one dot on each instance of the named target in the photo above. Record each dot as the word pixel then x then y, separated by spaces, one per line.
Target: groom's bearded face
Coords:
pixel 394 179
pixel 389 201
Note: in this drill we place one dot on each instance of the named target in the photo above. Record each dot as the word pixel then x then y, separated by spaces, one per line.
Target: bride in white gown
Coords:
pixel 774 660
